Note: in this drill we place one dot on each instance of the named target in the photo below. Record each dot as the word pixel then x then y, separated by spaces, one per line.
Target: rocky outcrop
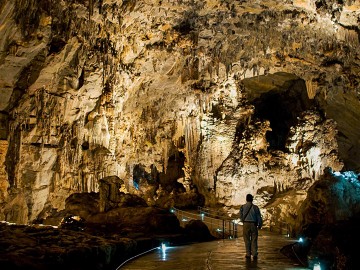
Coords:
pixel 332 199
pixel 33 248
pixel 328 221
pixel 175 101
pixel 198 231
pixel 281 179
pixel 331 247
pixel 84 237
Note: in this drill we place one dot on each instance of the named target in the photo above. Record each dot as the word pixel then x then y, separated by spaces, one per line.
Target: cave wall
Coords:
pixel 334 198
pixel 92 89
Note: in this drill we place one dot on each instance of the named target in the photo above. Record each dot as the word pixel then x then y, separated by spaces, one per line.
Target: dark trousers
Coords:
pixel 250 234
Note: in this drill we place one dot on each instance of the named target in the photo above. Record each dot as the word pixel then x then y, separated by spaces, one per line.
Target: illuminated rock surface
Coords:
pixel 182 103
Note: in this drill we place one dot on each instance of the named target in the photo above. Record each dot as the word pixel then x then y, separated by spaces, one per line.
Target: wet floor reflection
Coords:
pixel 164 251
pixel 217 255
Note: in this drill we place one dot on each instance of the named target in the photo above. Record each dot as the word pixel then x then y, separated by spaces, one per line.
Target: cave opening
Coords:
pixel 280 105
pixel 140 175
pixel 167 179
pixel 272 106
pixel 174 171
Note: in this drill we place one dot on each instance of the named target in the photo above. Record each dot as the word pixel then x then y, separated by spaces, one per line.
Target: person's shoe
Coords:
pixel 248 257
pixel 255 258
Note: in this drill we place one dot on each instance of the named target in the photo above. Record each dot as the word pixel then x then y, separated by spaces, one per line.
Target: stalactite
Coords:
pixel 91 8
pixel 192 136
pixel 179 132
pixel 166 155
pixel 189 137
pixel 311 89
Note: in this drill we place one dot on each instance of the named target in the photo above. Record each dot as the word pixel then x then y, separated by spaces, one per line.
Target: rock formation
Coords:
pixel 331 213
pixel 181 102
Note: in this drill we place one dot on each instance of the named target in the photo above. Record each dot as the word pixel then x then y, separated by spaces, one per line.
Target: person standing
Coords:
pixel 251 217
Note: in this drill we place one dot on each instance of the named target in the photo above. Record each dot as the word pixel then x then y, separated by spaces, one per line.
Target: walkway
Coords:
pixel 218 255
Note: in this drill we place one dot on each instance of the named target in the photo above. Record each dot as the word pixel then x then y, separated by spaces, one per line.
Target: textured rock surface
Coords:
pixel 47 248
pixel 331 213
pixel 334 198
pixel 196 101
pixel 100 241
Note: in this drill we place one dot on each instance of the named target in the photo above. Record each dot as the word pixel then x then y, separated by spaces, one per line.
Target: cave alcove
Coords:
pixel 174 171
pixel 140 175
pixel 279 98
pixel 167 179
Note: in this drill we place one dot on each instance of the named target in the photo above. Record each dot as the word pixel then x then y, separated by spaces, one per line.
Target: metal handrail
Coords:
pixel 281 227
pixel 214 213
pixel 224 227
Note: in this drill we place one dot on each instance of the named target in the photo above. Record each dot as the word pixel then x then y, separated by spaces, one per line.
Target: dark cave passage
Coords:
pixel 273 107
pixel 168 179
pixel 174 171
pixel 281 105
pixel 140 174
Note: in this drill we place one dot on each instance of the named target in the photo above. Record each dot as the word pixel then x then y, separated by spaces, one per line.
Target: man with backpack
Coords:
pixel 251 217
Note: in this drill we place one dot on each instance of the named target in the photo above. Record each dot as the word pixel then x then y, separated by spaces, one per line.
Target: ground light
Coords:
pixel 317 266
pixel 138 255
pixel 163 247
pixel 301 240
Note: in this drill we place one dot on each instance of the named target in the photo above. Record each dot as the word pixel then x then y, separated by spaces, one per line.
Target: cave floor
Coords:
pixel 219 254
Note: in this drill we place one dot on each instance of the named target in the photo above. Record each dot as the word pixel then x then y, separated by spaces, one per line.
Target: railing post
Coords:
pixel 235 229
pixel 229 225
pixel 181 218
pixel 223 228
pixel 231 229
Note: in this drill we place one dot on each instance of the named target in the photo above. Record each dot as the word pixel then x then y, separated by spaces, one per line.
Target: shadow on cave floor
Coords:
pixel 219 254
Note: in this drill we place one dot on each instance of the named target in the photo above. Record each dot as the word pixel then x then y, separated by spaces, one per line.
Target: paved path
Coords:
pixel 218 255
